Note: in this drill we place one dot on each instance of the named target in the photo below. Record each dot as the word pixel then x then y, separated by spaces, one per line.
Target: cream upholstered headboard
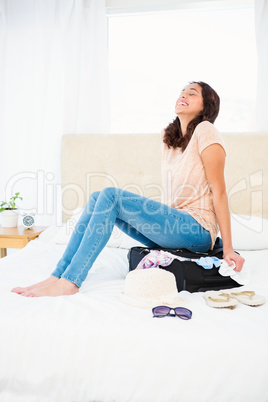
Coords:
pixel 92 162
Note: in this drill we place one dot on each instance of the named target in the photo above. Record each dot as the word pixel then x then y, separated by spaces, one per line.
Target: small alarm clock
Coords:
pixel 28 221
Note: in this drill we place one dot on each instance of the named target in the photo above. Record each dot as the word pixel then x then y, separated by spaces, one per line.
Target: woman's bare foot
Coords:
pixel 46 282
pixel 59 288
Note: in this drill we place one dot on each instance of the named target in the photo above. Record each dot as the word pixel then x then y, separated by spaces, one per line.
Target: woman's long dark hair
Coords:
pixel 173 136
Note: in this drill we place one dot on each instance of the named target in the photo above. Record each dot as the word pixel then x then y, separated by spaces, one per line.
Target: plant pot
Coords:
pixel 9 218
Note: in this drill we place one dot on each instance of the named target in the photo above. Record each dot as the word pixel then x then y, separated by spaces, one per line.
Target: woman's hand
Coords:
pixel 232 256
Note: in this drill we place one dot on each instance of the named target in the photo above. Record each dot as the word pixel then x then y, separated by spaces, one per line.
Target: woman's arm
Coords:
pixel 213 158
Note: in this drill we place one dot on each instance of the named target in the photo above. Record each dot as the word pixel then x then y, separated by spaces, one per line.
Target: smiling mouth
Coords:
pixel 183 103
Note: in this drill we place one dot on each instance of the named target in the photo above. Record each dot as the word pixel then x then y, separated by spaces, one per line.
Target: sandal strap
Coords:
pixel 226 295
pixel 249 293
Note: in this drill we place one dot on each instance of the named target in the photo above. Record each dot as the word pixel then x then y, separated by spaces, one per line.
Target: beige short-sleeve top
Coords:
pixel 185 185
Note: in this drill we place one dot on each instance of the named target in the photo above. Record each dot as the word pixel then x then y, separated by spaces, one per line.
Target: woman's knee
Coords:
pixel 110 192
pixel 91 201
pixel 107 192
pixel 94 196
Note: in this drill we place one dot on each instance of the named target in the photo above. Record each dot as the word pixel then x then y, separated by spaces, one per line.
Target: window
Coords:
pixel 153 55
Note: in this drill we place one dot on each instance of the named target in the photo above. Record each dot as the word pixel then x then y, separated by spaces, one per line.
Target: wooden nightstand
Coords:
pixel 17 237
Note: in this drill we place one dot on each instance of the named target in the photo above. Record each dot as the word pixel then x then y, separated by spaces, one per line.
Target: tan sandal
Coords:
pixel 220 300
pixel 249 298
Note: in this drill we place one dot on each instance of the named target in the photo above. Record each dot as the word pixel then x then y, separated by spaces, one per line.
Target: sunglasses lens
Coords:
pixel 161 311
pixel 183 313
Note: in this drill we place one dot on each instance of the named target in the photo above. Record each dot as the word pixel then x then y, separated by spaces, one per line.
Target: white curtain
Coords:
pixel 53 81
pixel 261 23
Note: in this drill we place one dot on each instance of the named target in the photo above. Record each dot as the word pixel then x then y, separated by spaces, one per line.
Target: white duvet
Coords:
pixel 92 347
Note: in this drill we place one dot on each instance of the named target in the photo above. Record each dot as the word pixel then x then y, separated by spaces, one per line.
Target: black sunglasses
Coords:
pixel 163 311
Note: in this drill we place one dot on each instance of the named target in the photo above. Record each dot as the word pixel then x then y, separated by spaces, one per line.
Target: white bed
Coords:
pixel 92 347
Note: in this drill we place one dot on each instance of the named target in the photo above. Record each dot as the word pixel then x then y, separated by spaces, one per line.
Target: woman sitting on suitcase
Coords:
pixel 193 208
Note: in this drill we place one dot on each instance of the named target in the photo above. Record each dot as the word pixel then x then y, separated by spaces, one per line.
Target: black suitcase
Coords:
pixel 189 275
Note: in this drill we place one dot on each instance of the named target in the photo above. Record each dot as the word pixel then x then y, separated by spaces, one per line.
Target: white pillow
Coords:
pixel 65 232
pixel 249 232
pixel 118 238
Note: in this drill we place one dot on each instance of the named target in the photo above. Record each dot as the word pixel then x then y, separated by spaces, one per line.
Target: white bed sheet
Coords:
pixel 92 347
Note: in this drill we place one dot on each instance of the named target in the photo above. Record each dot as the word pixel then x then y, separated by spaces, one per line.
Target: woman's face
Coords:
pixel 190 102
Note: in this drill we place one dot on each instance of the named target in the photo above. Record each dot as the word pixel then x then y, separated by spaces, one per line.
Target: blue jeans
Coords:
pixel 148 221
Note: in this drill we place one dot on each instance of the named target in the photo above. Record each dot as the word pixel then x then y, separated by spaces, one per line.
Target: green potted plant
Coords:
pixel 9 211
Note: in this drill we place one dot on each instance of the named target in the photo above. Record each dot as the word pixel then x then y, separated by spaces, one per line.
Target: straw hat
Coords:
pixel 151 287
